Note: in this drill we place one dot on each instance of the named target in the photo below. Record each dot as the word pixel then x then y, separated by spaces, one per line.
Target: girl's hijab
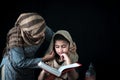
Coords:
pixel 72 51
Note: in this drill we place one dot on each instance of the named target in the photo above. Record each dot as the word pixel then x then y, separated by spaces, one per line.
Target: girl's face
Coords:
pixel 61 46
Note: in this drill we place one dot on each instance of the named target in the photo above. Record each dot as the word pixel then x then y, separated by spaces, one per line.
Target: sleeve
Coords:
pixel 18 59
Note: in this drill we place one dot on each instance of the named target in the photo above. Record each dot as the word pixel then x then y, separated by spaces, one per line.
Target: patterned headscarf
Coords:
pixel 28 30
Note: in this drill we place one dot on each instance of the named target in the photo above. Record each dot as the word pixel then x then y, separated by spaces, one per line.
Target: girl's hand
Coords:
pixel 65 58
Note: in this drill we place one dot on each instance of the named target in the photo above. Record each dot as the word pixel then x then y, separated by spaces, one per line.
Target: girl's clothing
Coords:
pixel 72 54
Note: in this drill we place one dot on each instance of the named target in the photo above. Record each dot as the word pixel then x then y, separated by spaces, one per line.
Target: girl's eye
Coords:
pixel 56 46
pixel 64 46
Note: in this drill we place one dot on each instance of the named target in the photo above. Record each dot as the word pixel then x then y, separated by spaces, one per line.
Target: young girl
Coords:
pixel 65 53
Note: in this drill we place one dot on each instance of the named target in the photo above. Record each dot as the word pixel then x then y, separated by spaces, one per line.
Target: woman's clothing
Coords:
pixel 19 63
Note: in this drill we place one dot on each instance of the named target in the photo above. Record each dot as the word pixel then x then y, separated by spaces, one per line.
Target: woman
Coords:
pixel 23 41
pixel 65 53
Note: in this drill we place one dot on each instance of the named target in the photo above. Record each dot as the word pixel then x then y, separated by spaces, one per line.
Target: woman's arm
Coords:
pixel 18 59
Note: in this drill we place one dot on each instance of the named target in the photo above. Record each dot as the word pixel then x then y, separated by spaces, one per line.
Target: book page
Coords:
pixel 68 66
pixel 49 68
pixel 57 72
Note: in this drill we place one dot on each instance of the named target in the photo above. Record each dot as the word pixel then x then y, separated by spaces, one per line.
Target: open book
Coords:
pixel 57 72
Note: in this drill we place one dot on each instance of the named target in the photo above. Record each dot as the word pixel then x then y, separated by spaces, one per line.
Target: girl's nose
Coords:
pixel 60 51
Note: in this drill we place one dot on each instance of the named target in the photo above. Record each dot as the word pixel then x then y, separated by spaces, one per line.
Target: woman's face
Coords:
pixel 61 46
pixel 34 32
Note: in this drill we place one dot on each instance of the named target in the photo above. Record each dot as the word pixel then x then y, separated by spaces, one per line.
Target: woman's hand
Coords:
pixel 48 56
pixel 73 48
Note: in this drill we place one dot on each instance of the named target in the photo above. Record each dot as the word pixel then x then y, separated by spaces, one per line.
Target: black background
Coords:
pixel 94 26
